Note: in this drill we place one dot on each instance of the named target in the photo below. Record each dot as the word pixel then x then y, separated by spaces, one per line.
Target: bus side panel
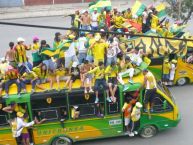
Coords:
pixel 6 137
pixel 80 129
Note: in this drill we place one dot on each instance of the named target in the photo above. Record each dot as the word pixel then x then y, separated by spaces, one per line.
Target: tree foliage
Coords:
pixel 180 9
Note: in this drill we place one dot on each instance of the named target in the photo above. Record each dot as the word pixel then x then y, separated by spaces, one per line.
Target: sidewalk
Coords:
pixel 55 10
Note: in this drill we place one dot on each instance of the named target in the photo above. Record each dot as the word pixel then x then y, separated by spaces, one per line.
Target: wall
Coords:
pixel 47 2
pixel 11 3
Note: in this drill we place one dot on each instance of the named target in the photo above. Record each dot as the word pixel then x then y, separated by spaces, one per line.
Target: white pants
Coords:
pixel 128 71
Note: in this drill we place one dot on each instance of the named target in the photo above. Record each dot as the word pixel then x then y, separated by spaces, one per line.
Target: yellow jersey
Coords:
pixel 111 71
pixel 166 68
pixel 99 50
pixel 99 73
pixel 119 20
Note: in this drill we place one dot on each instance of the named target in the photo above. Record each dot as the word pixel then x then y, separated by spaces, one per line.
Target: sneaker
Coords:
pixel 85 91
pixel 6 96
pixel 131 134
pixel 96 100
pixel 19 95
pixel 91 91
pixel 135 132
pixel 109 100
pixel 131 81
pixel 32 91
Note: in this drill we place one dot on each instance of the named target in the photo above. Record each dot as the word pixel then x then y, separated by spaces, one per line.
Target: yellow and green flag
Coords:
pixel 99 4
pixel 161 9
pixel 138 8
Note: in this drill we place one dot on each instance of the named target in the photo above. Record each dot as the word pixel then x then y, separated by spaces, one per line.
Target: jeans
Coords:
pixel 10 82
pixel 110 60
pixel 81 57
pixel 89 58
pixel 94 28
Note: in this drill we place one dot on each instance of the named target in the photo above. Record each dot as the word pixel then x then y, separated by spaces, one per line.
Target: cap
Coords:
pixel 20 114
pixel 75 107
pixel 20 39
pixel 71 36
pixel 35 38
pixel 174 61
pixel 97 37
pixel 75 63
pixel 139 105
pixel 166 60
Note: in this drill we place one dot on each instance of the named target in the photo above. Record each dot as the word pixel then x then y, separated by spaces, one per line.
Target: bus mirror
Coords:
pixel 165 104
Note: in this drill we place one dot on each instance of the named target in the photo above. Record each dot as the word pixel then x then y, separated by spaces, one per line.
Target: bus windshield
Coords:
pixel 163 88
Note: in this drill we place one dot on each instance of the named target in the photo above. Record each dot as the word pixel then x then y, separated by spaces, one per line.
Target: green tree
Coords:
pixel 180 9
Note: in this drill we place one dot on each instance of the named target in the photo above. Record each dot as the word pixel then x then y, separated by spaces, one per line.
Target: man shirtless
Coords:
pixel 85 20
pixel 10 54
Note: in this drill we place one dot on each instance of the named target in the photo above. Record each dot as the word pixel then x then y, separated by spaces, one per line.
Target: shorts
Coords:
pixel 70 60
pixel 149 95
pixel 25 136
pixel 166 76
pixel 74 78
pixel 81 57
pixel 88 76
pixel 100 82
pixel 112 80
pixel 50 64
pixel 127 121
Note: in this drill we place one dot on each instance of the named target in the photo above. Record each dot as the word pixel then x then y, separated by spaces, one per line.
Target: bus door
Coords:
pixel 50 111
pixel 5 129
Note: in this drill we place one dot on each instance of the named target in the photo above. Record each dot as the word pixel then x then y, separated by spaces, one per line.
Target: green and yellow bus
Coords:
pixel 61 129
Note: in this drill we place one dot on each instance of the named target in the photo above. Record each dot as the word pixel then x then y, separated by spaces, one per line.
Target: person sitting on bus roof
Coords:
pixel 75 74
pixel 127 108
pixel 150 89
pixel 42 72
pixel 136 56
pixel 75 112
pixel 12 77
pixel 190 59
pixel 100 80
pixel 135 117
pixel 86 80
pixel 112 73
pixel 60 75
pixel 125 68
pixel 166 71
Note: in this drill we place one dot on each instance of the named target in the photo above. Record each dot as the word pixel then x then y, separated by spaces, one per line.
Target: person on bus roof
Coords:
pixel 100 80
pixel 10 55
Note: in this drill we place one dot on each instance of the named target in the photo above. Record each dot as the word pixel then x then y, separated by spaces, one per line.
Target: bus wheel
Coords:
pixel 62 141
pixel 181 81
pixel 148 131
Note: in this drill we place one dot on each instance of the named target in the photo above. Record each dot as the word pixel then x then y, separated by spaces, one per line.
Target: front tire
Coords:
pixel 181 81
pixel 148 131
pixel 62 141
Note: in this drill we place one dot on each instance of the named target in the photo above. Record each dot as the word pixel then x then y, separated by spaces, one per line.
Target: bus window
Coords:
pixel 114 108
pixel 3 116
pixel 86 107
pixel 160 104
pixel 49 106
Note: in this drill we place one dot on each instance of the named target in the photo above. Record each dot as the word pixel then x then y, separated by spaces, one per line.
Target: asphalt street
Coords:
pixel 181 135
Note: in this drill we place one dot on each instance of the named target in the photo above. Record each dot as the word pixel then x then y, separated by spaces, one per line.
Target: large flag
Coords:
pixel 161 9
pixel 54 52
pixel 138 8
pixel 99 4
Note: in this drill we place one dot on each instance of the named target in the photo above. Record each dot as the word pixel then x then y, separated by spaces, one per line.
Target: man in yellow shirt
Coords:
pixel 112 72
pixel 166 71
pixel 99 49
pixel 100 80
pixel 118 20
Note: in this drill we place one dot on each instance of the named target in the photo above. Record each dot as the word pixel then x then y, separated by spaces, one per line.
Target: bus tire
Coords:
pixel 182 81
pixel 148 131
pixel 62 141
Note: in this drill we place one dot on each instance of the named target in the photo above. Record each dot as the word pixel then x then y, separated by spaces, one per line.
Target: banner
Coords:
pixel 160 46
